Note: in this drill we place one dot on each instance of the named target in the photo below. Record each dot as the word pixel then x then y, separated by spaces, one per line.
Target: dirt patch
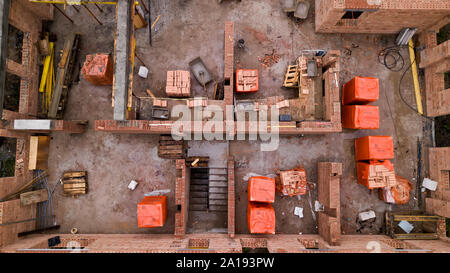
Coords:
pixel 442 131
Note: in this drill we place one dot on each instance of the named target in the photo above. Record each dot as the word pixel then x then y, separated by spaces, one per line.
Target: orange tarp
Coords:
pixel 261 189
pixel 261 218
pixel 98 69
pixel 360 117
pixel 152 211
pixel 374 148
pixel 360 90
pixel 376 174
pixel 399 194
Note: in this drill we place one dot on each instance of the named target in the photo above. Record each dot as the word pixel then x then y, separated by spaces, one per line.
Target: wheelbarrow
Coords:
pixel 200 72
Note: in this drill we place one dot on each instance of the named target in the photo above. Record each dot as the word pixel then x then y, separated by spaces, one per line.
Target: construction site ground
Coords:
pixel 189 29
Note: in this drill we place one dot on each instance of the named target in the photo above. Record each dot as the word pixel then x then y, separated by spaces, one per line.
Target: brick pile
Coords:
pixel 356 94
pixel 247 80
pixel 292 182
pixel 98 69
pixel 160 103
pixel 178 83
pixel 152 211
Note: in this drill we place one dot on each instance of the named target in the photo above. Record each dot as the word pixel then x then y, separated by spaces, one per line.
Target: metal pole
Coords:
pixel 63 13
pixel 99 8
pixel 92 14
pixel 150 22
pixel 77 9
pixel 140 59
pixel 144 6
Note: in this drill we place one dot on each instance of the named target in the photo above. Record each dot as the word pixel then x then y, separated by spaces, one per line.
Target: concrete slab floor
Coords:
pixel 186 30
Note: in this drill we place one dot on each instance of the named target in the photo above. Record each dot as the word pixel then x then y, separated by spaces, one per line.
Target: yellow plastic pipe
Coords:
pixel 412 57
pixel 45 70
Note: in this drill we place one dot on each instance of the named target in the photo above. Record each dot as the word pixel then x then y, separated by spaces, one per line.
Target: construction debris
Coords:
pixel 367 215
pixel 98 69
pixel 429 184
pixel 132 185
pixel 269 59
pixel 298 211
pixel 406 226
pixel 143 72
pixel 247 80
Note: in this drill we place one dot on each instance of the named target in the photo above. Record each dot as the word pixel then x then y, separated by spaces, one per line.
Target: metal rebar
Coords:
pixel 75 8
pixel 143 5
pixel 140 59
pixel 63 13
pixel 93 15
pixel 99 8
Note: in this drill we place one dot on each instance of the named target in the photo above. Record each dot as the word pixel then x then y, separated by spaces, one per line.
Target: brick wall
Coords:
pixel 389 17
pixel 15 218
pixel 221 243
pixel 181 197
pixel 328 183
pixel 439 164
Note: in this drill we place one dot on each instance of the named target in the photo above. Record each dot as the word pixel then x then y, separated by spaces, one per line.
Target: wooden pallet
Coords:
pixel 171 149
pixel 291 77
pixel 75 183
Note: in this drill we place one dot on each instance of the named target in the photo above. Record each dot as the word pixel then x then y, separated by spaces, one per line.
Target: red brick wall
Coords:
pixel 389 17
pixel 439 164
pixel 181 197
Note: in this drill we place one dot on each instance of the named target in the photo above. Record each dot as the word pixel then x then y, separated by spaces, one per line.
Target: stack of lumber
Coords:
pixel 170 148
pixel 75 183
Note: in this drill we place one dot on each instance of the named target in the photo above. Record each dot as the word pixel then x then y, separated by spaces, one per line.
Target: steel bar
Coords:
pixel 63 13
pixel 93 15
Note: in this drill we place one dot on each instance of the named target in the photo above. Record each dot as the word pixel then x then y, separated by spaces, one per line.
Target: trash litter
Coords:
pixel 143 72
pixel 406 226
pixel 429 184
pixel 132 185
pixel 318 206
pixel 364 216
pixel 157 192
pixel 299 212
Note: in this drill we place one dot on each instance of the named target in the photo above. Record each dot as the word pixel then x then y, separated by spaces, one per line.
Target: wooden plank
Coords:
pixel 74 174
pixel 72 186
pixel 172 147
pixel 38 156
pixel 32 197
pixel 74 180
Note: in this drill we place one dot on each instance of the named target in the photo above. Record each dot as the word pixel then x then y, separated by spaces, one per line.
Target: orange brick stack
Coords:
pixel 178 83
pixel 152 211
pixel 355 95
pixel 375 171
pixel 246 80
pixel 98 69
pixel 292 182
pixel 261 218
pixel 261 189
pixel 260 213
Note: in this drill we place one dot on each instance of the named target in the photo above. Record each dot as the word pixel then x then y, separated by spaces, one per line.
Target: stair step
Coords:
pixel 198 201
pixel 218 208
pixel 218 184
pixel 217 178
pixel 220 202
pixel 198 194
pixel 220 196
pixel 199 188
pixel 199 175
pixel 197 207
pixel 199 181
pixel 218 171
pixel 218 190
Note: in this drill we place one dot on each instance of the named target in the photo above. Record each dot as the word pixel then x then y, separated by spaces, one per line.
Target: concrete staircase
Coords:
pixel 208 189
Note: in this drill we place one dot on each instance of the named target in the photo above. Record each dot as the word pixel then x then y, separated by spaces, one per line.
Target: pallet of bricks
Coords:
pixel 356 95
pixel 178 83
pixel 260 213
pixel 75 183
pixel 375 170
pixel 170 148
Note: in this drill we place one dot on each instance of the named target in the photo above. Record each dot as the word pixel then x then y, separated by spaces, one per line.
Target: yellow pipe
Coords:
pixel 412 57
pixel 45 70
